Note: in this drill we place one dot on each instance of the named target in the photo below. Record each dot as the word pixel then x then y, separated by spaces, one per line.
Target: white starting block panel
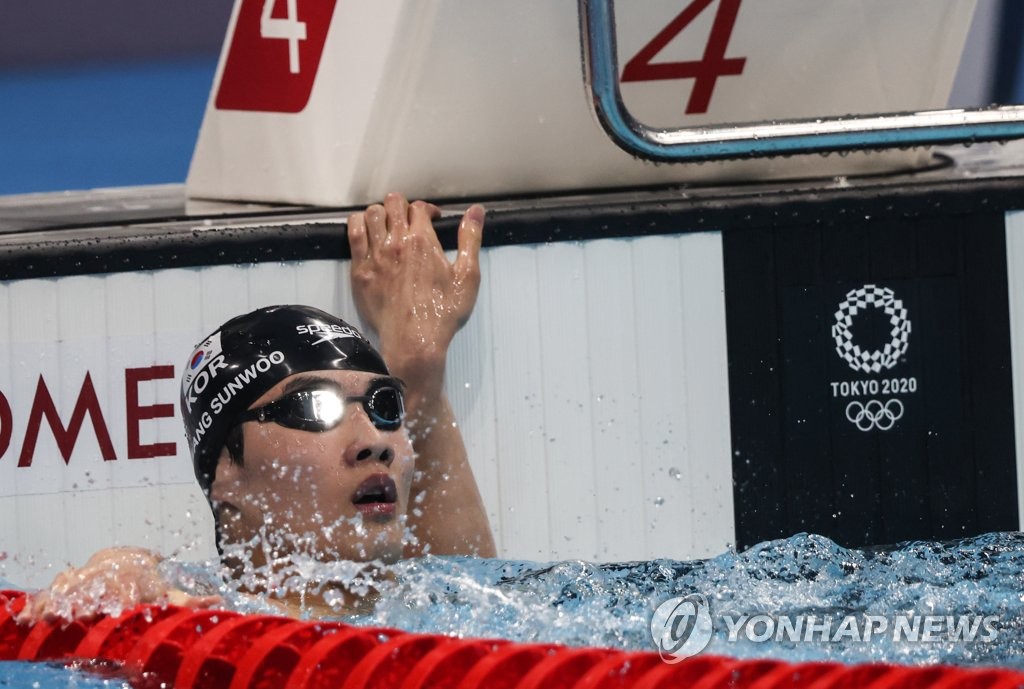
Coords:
pixel 336 103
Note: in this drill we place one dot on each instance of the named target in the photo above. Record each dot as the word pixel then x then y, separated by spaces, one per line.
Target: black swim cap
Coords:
pixel 250 354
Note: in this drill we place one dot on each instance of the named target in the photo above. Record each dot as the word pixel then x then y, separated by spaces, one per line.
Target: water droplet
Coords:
pixel 674 473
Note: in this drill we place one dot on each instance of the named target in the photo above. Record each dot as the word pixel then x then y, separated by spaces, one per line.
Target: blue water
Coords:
pixel 610 605
pixel 101 125
pixel 579 603
pixel 21 675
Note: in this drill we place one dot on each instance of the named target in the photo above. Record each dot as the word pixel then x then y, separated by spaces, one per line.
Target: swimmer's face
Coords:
pixel 340 493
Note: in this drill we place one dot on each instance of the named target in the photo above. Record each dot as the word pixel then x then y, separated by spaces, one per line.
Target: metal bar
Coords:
pixel 787 137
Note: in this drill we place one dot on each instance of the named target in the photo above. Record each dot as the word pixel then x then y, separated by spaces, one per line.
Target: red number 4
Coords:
pixel 704 72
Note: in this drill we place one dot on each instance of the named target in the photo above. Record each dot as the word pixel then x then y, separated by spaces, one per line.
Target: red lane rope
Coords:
pixel 207 649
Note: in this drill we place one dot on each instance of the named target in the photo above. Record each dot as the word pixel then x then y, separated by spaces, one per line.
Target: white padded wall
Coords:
pixel 590 385
pixel 596 387
pixel 1015 285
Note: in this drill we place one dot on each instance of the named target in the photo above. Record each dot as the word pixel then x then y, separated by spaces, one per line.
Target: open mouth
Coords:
pixel 376 495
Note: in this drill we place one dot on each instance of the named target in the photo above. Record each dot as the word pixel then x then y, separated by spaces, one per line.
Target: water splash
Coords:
pixel 585 604
pixel 580 603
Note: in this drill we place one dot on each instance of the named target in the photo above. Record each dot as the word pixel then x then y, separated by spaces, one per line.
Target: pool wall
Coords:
pixel 581 445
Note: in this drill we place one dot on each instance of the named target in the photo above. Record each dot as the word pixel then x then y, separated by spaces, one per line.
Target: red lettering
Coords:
pixel 706 71
pixel 6 424
pixel 136 413
pixel 43 406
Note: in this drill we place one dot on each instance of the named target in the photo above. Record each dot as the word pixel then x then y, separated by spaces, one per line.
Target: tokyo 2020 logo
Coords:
pixel 858 301
pixel 872 414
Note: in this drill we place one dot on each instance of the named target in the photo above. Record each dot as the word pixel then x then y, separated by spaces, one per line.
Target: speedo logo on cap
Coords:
pixel 326 332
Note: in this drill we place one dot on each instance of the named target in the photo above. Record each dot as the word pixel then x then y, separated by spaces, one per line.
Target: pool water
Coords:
pixel 584 604
pixel 22 675
pixel 979 581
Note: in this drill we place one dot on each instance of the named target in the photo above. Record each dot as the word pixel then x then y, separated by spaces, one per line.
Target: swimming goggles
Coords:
pixel 321 408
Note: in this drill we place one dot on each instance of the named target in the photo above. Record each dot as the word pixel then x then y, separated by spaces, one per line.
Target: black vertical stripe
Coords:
pixel 990 390
pixel 760 495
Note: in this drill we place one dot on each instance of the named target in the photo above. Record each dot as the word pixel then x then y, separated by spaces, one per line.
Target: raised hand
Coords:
pixel 405 288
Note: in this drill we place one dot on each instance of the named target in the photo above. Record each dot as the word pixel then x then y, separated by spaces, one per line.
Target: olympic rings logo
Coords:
pixel 874 414
pixel 858 300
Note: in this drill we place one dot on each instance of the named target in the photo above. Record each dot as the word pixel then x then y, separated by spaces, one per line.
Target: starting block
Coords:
pixel 335 103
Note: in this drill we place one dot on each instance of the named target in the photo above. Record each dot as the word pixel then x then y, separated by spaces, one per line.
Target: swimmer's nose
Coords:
pixel 370 453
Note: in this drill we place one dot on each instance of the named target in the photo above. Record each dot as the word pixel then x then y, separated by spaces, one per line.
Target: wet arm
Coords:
pixel 446 511
pixel 408 292
pixel 112 580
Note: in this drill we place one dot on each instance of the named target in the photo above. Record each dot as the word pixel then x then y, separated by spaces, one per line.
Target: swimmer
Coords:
pixel 309 443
